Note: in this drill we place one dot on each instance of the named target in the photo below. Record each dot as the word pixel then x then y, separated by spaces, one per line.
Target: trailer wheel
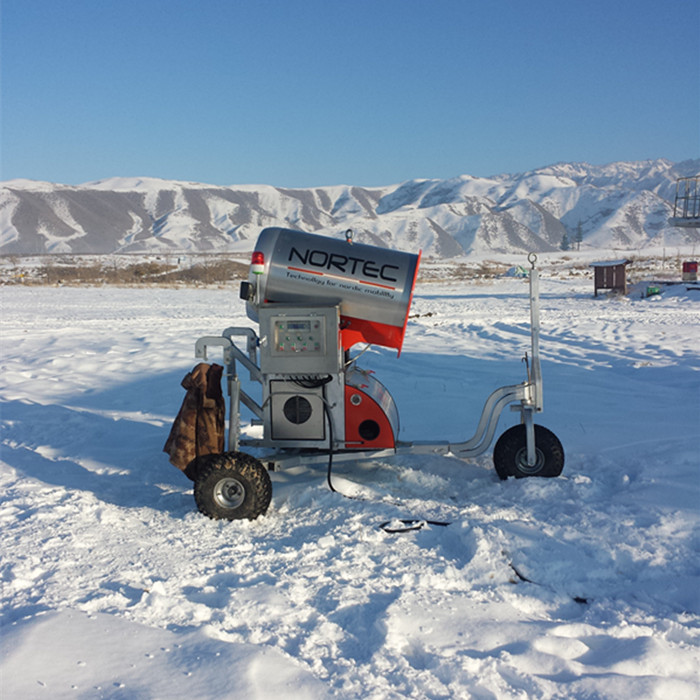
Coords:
pixel 510 453
pixel 232 486
pixel 194 467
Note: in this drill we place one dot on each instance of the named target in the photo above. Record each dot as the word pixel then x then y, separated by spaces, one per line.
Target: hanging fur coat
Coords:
pixel 199 427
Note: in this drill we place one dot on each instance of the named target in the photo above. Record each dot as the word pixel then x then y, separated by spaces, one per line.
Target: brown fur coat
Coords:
pixel 199 427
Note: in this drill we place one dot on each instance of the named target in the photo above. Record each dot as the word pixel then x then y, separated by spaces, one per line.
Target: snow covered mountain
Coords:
pixel 624 205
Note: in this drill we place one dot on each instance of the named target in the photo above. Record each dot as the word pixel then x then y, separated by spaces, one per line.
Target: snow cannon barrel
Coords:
pixel 373 286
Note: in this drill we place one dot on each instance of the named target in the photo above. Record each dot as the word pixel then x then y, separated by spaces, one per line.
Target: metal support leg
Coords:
pixel 535 377
pixel 529 421
pixel 534 403
pixel 234 422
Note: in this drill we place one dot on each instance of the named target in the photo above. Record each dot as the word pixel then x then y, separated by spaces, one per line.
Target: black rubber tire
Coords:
pixel 510 453
pixel 193 468
pixel 232 486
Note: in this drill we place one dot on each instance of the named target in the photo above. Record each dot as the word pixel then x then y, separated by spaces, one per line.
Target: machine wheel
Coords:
pixel 232 486
pixel 510 453
pixel 194 467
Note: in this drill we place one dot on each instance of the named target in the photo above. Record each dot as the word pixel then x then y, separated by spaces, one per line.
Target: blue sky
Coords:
pixel 303 93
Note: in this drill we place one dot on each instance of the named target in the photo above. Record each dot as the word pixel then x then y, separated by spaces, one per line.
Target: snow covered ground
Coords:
pixel 114 586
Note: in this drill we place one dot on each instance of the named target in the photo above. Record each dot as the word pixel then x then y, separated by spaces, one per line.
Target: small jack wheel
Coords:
pixel 510 454
pixel 232 486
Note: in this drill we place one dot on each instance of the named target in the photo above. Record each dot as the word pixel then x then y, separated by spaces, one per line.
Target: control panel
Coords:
pixel 298 334
pixel 299 340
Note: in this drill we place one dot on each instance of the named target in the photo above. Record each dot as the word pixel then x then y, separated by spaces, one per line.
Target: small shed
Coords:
pixel 611 275
pixel 690 271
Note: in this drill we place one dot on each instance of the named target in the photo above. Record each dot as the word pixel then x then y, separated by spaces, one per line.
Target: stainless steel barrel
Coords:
pixel 373 286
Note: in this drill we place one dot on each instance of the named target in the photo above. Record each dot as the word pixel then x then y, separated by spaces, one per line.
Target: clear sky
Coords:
pixel 303 93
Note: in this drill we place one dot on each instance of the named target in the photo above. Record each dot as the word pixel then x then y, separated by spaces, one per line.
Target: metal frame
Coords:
pixel 686 207
pixel 528 394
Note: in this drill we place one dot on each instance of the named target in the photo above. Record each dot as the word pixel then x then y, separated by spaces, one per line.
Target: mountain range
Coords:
pixel 622 205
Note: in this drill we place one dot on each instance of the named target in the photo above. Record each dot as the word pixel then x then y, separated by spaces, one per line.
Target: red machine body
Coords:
pixel 371 416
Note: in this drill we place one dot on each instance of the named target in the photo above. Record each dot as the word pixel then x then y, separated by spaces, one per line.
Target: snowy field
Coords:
pixel 114 586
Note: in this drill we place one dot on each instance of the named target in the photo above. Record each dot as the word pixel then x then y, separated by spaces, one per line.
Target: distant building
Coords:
pixel 690 271
pixel 611 275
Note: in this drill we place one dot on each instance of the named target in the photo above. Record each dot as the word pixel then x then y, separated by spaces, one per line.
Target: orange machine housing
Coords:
pixel 371 417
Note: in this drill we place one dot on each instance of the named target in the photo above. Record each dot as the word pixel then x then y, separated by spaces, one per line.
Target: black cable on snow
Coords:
pixel 411 525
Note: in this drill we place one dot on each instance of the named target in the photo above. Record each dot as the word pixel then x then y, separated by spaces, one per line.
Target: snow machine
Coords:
pixel 314 298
